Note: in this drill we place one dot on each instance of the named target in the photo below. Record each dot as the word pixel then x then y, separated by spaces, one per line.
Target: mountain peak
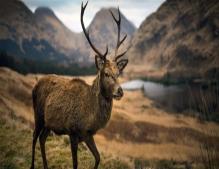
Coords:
pixel 103 28
pixel 105 12
pixel 107 9
pixel 104 16
pixel 44 11
pixel 13 7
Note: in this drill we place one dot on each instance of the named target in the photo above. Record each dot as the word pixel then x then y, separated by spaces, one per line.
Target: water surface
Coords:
pixel 200 99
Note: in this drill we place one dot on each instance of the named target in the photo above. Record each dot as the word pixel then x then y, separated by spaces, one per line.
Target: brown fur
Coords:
pixel 70 106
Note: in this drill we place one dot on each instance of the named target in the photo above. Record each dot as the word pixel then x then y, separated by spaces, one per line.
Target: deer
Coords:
pixel 74 108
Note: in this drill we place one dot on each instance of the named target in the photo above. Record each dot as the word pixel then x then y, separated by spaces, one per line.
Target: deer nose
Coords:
pixel 120 91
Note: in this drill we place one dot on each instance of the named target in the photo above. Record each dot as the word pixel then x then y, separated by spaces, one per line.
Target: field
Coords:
pixel 139 134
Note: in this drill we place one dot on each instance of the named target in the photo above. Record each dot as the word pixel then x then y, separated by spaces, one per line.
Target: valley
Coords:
pixel 137 132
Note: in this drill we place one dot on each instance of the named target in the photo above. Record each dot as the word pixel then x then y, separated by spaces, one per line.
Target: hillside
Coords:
pixel 139 134
pixel 20 35
pixel 179 40
pixel 61 38
pixel 41 36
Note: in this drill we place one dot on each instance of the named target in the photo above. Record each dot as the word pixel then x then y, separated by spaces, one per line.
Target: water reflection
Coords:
pixel 199 99
pixel 133 85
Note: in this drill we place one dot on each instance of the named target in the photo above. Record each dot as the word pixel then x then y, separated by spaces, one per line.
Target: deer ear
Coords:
pixel 99 62
pixel 122 64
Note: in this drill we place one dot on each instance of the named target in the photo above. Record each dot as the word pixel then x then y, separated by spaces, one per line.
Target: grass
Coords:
pixel 162 164
pixel 146 132
pixel 15 148
pixel 208 148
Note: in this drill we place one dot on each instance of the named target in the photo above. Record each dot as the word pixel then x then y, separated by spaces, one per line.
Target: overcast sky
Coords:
pixel 68 11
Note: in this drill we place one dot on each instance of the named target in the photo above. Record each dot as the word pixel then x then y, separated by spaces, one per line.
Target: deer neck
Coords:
pixel 104 104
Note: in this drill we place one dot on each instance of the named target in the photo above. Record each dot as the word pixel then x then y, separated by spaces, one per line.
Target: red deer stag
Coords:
pixel 75 108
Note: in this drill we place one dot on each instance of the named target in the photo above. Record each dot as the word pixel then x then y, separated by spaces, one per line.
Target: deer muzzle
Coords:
pixel 118 94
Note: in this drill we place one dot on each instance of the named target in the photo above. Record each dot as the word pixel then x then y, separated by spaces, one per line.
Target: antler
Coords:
pixel 86 33
pixel 119 42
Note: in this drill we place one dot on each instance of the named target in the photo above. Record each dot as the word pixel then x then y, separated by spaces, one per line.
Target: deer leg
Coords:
pixel 74 149
pixel 36 134
pixel 92 146
pixel 43 135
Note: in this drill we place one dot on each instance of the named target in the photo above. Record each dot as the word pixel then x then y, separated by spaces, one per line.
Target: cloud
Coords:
pixel 68 11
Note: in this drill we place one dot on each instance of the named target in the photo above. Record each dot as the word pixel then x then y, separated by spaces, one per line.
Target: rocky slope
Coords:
pixel 61 38
pixel 22 35
pixel 42 36
pixel 179 40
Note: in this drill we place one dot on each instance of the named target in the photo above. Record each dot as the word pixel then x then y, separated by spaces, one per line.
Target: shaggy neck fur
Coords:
pixel 104 103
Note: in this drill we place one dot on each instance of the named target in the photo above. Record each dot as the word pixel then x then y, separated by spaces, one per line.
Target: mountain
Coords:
pixel 41 37
pixel 21 36
pixel 57 34
pixel 103 29
pixel 179 40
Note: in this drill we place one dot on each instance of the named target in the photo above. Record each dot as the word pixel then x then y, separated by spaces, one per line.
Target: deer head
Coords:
pixel 108 69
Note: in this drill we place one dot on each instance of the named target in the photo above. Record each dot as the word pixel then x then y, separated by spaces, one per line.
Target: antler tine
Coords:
pixel 120 55
pixel 104 55
pixel 118 23
pixel 122 40
pixel 86 33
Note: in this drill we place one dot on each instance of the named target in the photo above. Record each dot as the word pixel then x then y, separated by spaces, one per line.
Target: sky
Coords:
pixel 68 11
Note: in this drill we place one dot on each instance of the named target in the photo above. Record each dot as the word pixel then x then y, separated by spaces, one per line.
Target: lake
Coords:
pixel 195 99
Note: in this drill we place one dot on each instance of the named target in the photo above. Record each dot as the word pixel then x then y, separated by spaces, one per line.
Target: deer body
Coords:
pixel 72 107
